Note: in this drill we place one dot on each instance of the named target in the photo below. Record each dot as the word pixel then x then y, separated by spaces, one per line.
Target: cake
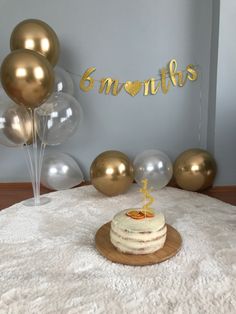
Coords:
pixel 134 231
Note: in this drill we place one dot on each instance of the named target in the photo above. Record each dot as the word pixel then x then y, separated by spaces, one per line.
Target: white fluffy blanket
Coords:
pixel 49 264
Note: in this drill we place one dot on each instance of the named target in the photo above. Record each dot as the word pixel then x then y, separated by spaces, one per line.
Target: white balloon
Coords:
pixel 155 166
pixel 63 81
pixel 60 171
pixel 58 118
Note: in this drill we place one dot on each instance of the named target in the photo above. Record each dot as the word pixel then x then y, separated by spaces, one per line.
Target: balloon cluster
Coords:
pixel 28 78
pixel 36 100
pixel 112 173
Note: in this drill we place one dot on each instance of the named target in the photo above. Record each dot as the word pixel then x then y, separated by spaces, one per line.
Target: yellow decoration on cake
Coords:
pixel 146 211
pixel 147 196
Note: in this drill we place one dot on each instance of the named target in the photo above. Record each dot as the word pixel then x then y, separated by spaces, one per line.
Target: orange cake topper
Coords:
pixel 146 211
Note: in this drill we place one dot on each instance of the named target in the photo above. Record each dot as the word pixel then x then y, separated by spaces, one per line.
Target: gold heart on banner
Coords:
pixel 133 88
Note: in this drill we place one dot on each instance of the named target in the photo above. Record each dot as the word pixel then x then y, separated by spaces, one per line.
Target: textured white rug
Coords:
pixel 49 264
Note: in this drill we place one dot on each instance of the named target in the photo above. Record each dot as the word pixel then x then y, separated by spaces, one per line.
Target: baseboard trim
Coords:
pixel 223 188
pixel 13 192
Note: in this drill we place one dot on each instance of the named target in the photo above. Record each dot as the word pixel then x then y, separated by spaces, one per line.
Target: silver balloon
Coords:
pixel 58 118
pixel 60 171
pixel 63 81
pixel 155 166
pixel 15 122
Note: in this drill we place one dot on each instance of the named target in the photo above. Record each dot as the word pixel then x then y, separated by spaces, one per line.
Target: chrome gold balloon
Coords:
pixel 112 173
pixel 27 78
pixel 195 170
pixel 18 125
pixel 38 36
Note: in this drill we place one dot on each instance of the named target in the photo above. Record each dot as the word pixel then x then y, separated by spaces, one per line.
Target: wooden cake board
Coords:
pixel 105 247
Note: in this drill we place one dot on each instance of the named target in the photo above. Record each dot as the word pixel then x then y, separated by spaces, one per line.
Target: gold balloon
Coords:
pixel 112 173
pixel 38 36
pixel 27 78
pixel 195 170
pixel 18 125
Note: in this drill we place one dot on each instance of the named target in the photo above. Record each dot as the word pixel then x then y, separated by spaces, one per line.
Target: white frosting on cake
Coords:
pixel 138 236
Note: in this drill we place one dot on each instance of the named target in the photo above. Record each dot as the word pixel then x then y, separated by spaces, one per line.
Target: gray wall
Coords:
pixel 129 40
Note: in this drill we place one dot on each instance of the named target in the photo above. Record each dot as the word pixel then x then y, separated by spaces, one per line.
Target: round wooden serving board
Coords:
pixel 106 248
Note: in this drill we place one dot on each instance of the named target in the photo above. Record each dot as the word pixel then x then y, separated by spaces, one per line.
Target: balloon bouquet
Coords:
pixel 41 110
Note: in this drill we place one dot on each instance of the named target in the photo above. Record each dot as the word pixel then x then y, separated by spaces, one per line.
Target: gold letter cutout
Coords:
pixel 173 73
pixel 150 84
pixel 90 80
pixel 192 72
pixel 108 84
pixel 164 88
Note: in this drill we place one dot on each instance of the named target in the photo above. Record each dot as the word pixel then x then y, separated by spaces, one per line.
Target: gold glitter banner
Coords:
pixel 169 76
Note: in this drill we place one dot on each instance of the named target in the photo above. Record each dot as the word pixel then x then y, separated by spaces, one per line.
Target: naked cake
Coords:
pixel 138 231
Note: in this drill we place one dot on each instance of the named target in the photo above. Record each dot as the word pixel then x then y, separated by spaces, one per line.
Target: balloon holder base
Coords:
pixel 33 202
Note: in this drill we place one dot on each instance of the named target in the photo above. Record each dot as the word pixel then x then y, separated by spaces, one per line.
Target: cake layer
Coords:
pixel 138 235
pixel 144 250
pixel 137 244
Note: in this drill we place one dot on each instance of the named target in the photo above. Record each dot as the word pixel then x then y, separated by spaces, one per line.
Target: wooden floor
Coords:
pixel 11 193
